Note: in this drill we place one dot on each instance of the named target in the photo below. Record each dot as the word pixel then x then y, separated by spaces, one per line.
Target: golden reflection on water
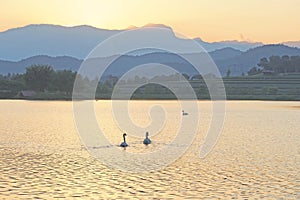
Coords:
pixel 257 155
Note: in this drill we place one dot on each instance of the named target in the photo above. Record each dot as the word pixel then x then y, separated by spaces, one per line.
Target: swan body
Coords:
pixel 184 113
pixel 124 144
pixel 147 140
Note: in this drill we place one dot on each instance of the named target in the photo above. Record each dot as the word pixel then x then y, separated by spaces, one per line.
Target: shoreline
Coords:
pixel 24 99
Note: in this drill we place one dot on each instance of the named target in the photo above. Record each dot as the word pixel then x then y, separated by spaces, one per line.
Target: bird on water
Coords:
pixel 147 140
pixel 124 144
pixel 184 113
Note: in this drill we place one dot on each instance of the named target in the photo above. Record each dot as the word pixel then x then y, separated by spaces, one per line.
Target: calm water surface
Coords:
pixel 257 155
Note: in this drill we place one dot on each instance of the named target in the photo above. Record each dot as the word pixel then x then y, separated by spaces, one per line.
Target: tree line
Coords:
pixel 58 84
pixel 39 78
pixel 55 84
pixel 277 65
pixel 43 77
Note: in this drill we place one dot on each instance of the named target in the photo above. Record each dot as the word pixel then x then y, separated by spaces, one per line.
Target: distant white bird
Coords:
pixel 147 140
pixel 184 113
pixel 124 144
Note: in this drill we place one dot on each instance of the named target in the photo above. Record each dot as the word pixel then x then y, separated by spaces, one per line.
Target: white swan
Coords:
pixel 124 144
pixel 184 113
pixel 147 140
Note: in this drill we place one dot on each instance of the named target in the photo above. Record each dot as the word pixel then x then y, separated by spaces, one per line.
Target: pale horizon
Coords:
pixel 271 21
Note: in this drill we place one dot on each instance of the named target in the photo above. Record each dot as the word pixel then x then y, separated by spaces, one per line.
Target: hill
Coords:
pixel 246 60
pixel 225 53
pixel 58 63
pixel 227 58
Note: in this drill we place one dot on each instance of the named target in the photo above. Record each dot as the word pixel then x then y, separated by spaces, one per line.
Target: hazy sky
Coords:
pixel 269 21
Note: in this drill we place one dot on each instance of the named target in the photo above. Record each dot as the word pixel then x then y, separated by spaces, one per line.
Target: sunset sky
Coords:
pixel 269 21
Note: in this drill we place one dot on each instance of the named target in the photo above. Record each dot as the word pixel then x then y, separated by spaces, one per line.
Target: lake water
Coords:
pixel 257 154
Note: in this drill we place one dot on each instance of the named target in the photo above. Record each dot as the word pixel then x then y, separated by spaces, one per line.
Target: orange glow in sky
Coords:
pixel 269 21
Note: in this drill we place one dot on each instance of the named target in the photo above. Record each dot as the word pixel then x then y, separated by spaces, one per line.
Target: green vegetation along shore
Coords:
pixel 41 82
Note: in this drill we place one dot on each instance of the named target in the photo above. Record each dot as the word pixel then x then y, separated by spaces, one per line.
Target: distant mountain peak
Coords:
pixel 30 26
pixel 225 53
pixel 235 44
pixel 131 27
pixel 292 43
pixel 54 26
pixel 238 41
pixel 149 25
pixel 227 49
pixel 198 39
pixel 276 47
pixel 152 25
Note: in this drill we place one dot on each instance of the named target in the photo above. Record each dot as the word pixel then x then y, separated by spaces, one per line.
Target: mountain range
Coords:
pixel 77 41
pixel 227 58
pixel 66 47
